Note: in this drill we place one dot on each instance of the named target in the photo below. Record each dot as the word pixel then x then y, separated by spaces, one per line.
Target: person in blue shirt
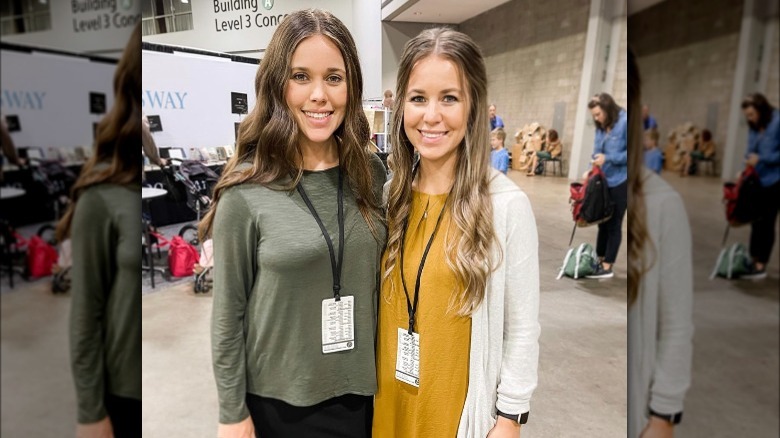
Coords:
pixel 495 120
pixel 654 159
pixel 499 157
pixel 763 153
pixel 609 152
pixel 648 121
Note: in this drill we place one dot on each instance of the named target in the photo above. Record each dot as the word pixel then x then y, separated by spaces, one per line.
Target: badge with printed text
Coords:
pixel 407 365
pixel 338 324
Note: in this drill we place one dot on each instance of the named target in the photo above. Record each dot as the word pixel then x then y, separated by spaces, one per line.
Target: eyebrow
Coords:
pixel 448 90
pixel 329 70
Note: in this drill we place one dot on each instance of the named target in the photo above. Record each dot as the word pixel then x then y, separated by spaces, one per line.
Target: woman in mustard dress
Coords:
pixel 462 249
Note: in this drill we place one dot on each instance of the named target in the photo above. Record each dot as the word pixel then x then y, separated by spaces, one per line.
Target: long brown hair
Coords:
pixel 638 236
pixel 268 137
pixel 610 108
pixel 118 135
pixel 469 203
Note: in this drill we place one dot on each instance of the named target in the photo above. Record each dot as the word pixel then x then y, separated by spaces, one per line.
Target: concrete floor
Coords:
pixel 582 373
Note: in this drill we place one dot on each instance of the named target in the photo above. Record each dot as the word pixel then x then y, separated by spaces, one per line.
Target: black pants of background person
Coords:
pixel 347 416
pixel 762 231
pixel 125 415
pixel 610 232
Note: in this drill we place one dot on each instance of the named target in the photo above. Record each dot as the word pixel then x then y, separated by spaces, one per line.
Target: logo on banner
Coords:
pixel 268 4
pixel 158 99
pixel 21 99
pixel 127 4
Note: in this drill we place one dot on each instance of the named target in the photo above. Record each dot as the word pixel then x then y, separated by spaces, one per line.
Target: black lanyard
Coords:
pixel 334 266
pixel 412 309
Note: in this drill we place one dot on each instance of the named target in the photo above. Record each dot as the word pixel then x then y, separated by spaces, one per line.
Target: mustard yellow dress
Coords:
pixel 433 409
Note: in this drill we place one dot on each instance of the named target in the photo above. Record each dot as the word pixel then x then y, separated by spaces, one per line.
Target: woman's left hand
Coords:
pixel 657 428
pixel 752 160
pixel 598 159
pixel 504 428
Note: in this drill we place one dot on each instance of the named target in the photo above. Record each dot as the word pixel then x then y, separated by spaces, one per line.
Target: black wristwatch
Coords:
pixel 517 418
pixel 672 419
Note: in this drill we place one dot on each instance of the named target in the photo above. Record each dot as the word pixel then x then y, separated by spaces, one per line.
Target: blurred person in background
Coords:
pixel 763 153
pixel 660 290
pixel 609 152
pixel 648 121
pixel 495 120
pixel 388 101
pixel 8 148
pixel 103 222
pixel 499 156
pixel 654 159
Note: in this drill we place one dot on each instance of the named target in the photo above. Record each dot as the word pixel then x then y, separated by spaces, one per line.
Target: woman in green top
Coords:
pixel 104 225
pixel 298 235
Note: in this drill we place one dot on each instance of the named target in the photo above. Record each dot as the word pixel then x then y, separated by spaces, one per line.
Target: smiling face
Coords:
pixel 436 109
pixel 317 89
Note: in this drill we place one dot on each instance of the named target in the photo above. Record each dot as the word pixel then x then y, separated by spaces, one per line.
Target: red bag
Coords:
pixel 590 202
pixel 181 257
pixel 40 257
pixel 743 198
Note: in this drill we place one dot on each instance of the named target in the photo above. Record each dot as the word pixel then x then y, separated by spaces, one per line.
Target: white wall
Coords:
pixel 394 38
pixel 246 31
pixel 191 94
pixel 362 18
pixel 101 31
pixel 50 95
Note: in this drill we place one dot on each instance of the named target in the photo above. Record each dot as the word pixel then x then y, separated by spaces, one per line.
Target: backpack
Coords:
pixel 591 203
pixel 733 262
pixel 40 257
pixel 743 198
pixel 181 257
pixel 579 263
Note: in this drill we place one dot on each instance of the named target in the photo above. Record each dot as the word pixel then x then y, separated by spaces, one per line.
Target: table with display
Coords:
pixel 6 237
pixel 147 194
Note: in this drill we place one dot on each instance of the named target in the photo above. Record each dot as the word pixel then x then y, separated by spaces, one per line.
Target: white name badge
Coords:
pixel 338 324
pixel 407 365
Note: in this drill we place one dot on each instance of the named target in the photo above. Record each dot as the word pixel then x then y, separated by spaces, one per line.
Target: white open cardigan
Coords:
pixel 660 322
pixel 505 327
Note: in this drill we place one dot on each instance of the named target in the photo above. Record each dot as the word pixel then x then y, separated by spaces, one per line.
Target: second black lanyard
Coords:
pixel 334 264
pixel 412 308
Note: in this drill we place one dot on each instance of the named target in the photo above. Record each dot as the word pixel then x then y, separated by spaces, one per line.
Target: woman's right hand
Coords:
pixel 242 429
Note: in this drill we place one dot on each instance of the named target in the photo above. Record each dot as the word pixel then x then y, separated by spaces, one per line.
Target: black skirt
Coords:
pixel 125 416
pixel 347 416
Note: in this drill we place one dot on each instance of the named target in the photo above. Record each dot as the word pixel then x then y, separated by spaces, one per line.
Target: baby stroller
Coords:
pixel 56 181
pixel 199 181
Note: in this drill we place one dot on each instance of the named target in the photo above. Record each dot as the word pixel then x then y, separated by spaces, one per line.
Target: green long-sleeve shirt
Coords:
pixel 105 319
pixel 272 271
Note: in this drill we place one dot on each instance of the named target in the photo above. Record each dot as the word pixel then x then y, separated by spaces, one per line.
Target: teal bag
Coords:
pixel 733 262
pixel 579 262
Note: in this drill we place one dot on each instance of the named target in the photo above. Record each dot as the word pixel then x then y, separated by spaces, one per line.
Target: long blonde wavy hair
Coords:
pixel 268 137
pixel 468 248
pixel 638 238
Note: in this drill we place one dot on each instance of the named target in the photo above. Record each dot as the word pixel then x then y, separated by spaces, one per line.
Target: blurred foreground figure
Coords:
pixel 103 223
pixel 763 153
pixel 660 290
